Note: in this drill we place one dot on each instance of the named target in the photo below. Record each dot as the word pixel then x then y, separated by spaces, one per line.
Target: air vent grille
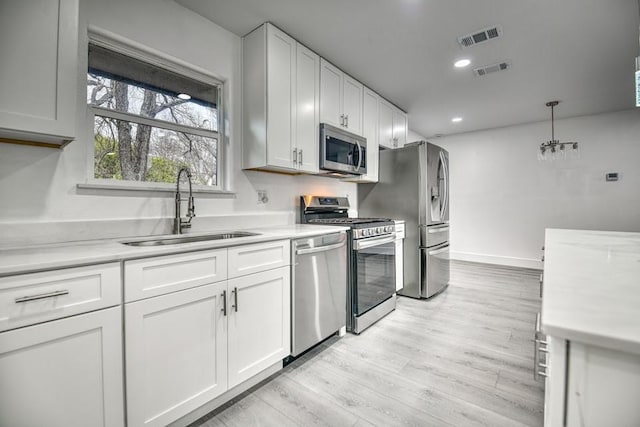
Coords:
pixel 480 36
pixel 492 68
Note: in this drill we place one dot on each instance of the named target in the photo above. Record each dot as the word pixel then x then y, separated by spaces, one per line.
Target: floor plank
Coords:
pixel 462 358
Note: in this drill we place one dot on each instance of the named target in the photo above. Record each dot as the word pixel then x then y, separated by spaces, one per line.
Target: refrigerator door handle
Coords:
pixel 439 250
pixel 432 230
pixel 445 198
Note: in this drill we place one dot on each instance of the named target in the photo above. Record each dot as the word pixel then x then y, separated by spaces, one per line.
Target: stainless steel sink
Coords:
pixel 189 239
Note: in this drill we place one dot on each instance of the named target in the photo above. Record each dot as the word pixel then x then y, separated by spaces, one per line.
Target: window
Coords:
pixel 148 121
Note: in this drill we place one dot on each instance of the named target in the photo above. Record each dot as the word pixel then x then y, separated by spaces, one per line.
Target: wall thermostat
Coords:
pixel 611 176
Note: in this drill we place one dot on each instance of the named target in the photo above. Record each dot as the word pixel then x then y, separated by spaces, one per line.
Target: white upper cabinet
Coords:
pixel 370 132
pixel 281 93
pixel 400 128
pixel 392 124
pixel 340 99
pixel 385 123
pixel 38 84
pixel 307 108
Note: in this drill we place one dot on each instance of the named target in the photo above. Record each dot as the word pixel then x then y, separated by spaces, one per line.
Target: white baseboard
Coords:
pixel 497 259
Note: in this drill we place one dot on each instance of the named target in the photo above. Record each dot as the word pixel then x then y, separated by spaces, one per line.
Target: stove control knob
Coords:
pixel 366 232
pixel 389 228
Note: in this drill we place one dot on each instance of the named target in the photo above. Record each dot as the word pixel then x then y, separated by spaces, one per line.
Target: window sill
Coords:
pixel 152 188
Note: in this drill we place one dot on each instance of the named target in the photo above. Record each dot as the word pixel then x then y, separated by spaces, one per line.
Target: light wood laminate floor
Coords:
pixel 462 358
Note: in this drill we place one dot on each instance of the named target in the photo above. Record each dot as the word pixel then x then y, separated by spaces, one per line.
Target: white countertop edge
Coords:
pixel 38 258
pixel 597 340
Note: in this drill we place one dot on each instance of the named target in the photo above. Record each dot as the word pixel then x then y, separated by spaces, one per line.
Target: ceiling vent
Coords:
pixel 481 36
pixel 493 68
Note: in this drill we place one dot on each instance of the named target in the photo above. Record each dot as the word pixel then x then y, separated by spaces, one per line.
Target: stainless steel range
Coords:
pixel 371 268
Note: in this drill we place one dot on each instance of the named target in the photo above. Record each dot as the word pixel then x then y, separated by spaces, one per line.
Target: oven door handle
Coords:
pixel 306 251
pixel 373 241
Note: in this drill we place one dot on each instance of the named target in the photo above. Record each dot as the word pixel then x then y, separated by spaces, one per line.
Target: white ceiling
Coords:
pixel 580 52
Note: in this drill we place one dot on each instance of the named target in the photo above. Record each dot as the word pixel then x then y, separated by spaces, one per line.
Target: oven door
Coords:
pixel 374 272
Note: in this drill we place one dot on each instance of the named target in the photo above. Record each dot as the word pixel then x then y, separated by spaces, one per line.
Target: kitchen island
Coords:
pixel 591 316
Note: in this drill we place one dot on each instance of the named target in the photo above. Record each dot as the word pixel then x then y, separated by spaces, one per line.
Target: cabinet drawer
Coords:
pixel 255 258
pixel 38 297
pixel 149 277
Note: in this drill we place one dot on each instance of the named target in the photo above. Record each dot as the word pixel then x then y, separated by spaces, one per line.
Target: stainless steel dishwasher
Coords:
pixel 318 289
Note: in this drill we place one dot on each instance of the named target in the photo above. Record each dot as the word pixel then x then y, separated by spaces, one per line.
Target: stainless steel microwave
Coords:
pixel 342 152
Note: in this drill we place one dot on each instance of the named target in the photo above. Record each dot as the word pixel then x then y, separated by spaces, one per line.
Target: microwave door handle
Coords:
pixel 359 156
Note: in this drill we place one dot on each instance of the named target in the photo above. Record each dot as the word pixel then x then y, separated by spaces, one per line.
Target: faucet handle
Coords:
pixel 192 207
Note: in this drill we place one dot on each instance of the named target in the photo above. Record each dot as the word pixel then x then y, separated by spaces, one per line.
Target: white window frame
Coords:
pixel 132 49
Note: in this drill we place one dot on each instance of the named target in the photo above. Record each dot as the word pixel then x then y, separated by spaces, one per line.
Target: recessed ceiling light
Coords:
pixel 456 119
pixel 462 63
pixel 184 96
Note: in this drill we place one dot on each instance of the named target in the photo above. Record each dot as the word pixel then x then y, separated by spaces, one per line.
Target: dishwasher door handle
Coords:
pixel 306 251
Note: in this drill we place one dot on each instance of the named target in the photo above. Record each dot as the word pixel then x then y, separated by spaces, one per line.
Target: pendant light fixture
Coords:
pixel 554 149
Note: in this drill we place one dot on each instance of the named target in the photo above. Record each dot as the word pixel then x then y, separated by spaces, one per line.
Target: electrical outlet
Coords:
pixel 262 197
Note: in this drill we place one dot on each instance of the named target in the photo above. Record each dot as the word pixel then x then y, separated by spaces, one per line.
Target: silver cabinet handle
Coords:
pixel 395 142
pixel 235 299
pixel 540 345
pixel 295 156
pixel 346 120
pixel 300 157
pixel 541 281
pixel 42 296
pixel 224 302
pixel 341 119
pixel 306 251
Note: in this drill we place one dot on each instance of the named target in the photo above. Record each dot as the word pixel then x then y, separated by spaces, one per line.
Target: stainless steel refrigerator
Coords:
pixel 413 185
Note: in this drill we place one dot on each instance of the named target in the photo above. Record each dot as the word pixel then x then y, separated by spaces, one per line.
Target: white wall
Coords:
pixel 38 185
pixel 503 198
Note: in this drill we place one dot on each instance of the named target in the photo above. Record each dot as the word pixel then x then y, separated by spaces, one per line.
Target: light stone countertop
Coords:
pixel 30 259
pixel 591 288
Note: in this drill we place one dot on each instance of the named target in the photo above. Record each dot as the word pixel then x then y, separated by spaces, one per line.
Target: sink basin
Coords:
pixel 190 239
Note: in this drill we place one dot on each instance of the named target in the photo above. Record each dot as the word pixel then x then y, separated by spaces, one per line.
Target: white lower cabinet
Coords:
pixel 63 373
pixel 176 353
pixel 259 323
pixel 590 386
pixel 185 348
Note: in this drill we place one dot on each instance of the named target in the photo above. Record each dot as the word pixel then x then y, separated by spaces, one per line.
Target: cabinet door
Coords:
pixel 399 128
pixel 259 323
pixel 370 131
pixel 603 387
pixel 63 373
pixel 352 104
pixel 385 123
pixel 39 51
pixel 330 94
pixel 281 98
pixel 176 354
pixel 307 108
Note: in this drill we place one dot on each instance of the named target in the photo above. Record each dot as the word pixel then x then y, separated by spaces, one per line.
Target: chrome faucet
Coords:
pixel 178 223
